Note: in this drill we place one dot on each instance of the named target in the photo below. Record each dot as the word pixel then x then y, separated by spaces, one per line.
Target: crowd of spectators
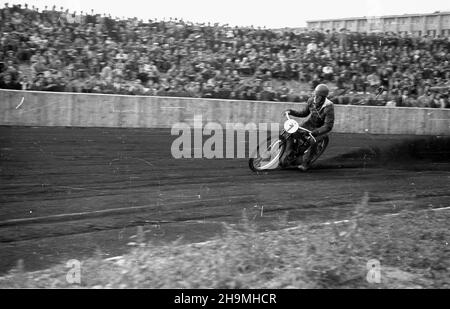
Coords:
pixel 58 50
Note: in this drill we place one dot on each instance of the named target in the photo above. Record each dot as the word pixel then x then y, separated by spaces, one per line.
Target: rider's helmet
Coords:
pixel 321 90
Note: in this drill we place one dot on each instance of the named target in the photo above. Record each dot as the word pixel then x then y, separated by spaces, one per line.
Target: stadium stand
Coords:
pixel 55 50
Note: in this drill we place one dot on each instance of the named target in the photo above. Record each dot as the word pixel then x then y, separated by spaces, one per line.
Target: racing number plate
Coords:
pixel 291 126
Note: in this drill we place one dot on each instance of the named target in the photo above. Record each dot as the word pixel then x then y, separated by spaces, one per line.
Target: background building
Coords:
pixel 437 23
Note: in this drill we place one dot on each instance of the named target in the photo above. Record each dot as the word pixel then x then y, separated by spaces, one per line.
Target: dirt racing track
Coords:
pixel 69 193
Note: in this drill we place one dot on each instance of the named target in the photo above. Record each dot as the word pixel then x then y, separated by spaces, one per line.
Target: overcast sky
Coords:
pixel 269 13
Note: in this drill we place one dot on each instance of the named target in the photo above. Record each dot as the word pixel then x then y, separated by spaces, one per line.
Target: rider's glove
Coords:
pixel 314 133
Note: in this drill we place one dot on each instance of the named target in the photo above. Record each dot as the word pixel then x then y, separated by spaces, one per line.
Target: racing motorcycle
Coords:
pixel 271 155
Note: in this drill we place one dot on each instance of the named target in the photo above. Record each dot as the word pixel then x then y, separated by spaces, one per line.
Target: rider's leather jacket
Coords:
pixel 321 117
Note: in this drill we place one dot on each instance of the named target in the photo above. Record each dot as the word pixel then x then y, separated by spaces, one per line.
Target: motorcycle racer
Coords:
pixel 320 121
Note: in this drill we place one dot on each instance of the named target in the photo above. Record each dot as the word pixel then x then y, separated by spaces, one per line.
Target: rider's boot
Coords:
pixel 305 164
pixel 303 167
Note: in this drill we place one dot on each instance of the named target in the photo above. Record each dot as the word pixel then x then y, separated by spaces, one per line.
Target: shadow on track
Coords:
pixel 415 154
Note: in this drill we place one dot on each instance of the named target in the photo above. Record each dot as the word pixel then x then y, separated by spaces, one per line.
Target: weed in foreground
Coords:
pixel 307 256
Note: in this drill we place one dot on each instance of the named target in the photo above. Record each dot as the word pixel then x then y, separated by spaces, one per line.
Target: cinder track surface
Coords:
pixel 67 193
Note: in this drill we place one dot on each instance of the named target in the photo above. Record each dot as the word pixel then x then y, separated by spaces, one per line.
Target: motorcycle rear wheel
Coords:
pixel 320 148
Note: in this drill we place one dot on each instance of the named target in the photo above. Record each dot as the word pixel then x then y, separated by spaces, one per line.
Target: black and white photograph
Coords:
pixel 227 151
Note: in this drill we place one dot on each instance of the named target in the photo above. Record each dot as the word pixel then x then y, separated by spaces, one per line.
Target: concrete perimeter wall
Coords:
pixel 31 108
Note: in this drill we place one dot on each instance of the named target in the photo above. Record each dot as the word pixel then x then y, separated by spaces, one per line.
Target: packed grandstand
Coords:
pixel 58 50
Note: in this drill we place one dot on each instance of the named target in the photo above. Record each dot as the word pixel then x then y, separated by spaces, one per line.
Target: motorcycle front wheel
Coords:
pixel 267 158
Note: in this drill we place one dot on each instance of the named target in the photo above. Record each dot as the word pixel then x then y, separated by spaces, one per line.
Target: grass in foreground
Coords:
pixel 412 249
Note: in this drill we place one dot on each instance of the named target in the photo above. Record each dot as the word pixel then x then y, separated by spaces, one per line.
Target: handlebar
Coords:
pixel 287 115
pixel 304 129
